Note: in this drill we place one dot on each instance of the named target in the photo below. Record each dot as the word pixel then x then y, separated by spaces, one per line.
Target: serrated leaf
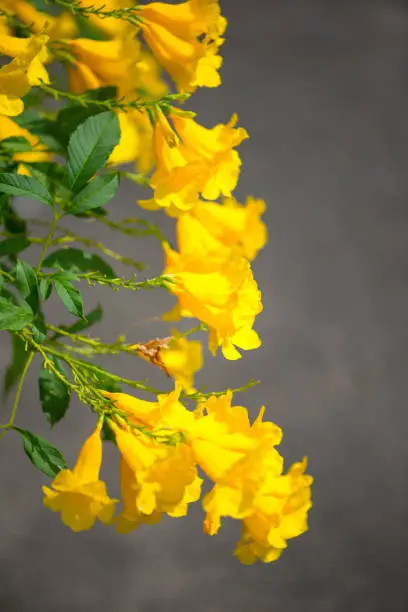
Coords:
pixel 45 288
pixel 48 459
pixel 39 329
pixel 26 186
pixel 12 317
pixel 54 394
pixel 70 296
pixel 90 146
pixel 12 222
pixel 92 317
pixel 18 359
pixel 16 144
pixel 98 192
pixel 26 280
pixel 13 245
pixel 78 261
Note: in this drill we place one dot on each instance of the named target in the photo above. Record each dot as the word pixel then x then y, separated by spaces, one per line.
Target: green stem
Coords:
pixel 17 397
pixel 48 240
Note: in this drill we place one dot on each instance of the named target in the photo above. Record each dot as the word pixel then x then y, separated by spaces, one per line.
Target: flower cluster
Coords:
pixel 122 110
pixel 163 445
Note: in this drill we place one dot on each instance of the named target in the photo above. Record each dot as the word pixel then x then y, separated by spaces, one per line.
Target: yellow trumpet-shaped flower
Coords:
pixel 193 160
pixel 233 224
pixel 223 436
pixel 185 39
pixel 24 71
pixel 181 360
pixel 9 128
pixel 79 494
pixel 120 62
pixel 110 25
pixel 30 53
pixel 280 513
pixel 178 357
pixel 166 413
pixel 63 26
pixel 165 477
pixel 215 285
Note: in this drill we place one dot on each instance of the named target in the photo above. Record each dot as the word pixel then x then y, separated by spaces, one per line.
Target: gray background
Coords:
pixel 322 89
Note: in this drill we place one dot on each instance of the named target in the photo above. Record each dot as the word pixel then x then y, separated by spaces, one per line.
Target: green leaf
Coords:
pixel 13 245
pixel 90 146
pixel 18 359
pixel 92 317
pixel 14 317
pixel 98 192
pixel 107 434
pixel 12 222
pixel 39 329
pixel 16 144
pixel 54 394
pixel 19 185
pixel 70 296
pixel 78 261
pixel 26 280
pixel 48 459
pixel 45 288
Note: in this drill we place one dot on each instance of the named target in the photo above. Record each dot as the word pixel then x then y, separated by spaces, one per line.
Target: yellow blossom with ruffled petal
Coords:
pixel 182 359
pixel 24 71
pixel 79 494
pixel 192 160
pixel 9 128
pixel 216 286
pixel 185 39
pixel 62 26
pixel 166 478
pixel 234 224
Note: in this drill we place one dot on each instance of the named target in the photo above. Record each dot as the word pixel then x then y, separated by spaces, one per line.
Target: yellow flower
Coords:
pixel 175 355
pixel 234 224
pixel 105 62
pixel 135 143
pixel 165 478
pixel 280 513
pixel 30 53
pixel 223 437
pixel 185 39
pixel 193 160
pixel 166 413
pixel 24 71
pixel 9 128
pixel 120 62
pixel 216 288
pixel 63 26
pixel 110 25
pixel 272 506
pixel 181 360
pixel 79 494
pixel 130 516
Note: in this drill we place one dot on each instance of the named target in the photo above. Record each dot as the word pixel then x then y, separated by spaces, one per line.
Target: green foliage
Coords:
pixel 92 317
pixel 12 317
pixel 90 146
pixel 70 296
pixel 18 360
pixel 75 260
pixel 48 459
pixel 26 186
pixel 14 245
pixel 54 393
pixel 98 192
pixel 26 281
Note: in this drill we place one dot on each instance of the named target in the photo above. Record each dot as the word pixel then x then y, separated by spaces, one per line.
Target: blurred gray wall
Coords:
pixel 322 89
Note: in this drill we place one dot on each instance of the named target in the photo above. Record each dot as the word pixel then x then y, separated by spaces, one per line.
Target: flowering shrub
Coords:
pixel 116 110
